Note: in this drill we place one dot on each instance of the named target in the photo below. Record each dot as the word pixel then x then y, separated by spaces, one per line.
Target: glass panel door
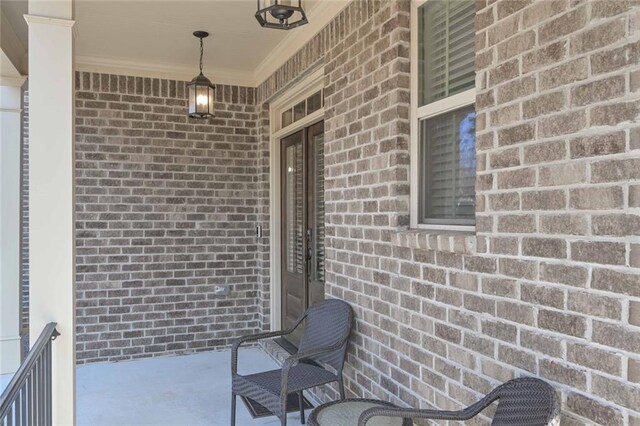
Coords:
pixel 293 229
pixel 315 216
pixel 303 251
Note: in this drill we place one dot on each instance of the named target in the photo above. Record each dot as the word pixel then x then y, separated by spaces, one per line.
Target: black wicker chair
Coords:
pixel 324 342
pixel 521 402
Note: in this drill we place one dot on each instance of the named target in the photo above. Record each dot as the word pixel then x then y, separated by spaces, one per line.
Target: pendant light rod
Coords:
pixel 201 53
pixel 201 35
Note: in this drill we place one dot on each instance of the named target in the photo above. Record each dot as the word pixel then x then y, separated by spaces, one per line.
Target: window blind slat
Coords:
pixel 447 35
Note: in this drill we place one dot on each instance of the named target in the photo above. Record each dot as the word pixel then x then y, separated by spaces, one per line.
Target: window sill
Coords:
pixel 461 242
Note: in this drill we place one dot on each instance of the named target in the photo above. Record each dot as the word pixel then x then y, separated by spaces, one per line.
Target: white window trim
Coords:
pixel 309 86
pixel 302 90
pixel 419 113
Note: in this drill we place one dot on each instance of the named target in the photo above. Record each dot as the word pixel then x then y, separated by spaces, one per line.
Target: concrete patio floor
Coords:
pixel 181 390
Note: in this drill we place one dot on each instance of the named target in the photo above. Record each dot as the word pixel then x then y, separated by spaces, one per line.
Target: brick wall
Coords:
pixel 166 208
pixel 549 285
pixel 557 215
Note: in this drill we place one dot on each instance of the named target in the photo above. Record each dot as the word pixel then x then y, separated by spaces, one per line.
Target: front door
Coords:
pixel 303 255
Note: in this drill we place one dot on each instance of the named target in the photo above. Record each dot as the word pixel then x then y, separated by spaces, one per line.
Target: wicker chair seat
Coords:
pixel 301 376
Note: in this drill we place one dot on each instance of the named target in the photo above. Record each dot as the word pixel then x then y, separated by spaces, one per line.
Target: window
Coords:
pixel 443 128
pixel 301 109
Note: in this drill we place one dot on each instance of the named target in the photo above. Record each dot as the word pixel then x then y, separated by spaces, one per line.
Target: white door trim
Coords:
pixel 305 88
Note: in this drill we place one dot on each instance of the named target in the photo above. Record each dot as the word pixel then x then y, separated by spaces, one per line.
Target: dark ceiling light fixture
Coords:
pixel 201 91
pixel 281 14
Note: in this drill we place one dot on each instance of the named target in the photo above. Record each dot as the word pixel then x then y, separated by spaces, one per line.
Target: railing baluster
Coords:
pixel 26 401
pixel 47 376
pixel 42 389
pixel 17 407
pixel 39 389
pixel 32 399
pixel 49 398
pixel 34 374
pixel 16 413
pixel 46 385
pixel 9 420
pixel 43 415
pixel 23 407
pixel 34 393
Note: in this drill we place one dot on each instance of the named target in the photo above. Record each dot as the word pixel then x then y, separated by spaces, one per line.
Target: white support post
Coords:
pixel 51 191
pixel 10 125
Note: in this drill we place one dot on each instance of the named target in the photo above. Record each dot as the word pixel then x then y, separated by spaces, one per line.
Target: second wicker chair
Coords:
pixel 521 402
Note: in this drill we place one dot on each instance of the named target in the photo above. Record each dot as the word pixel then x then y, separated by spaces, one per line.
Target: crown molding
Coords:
pixel 12 48
pixel 322 14
pixel 35 19
pixel 142 69
pixel 12 81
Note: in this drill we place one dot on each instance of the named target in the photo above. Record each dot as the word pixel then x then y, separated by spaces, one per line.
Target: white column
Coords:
pixel 51 194
pixel 10 124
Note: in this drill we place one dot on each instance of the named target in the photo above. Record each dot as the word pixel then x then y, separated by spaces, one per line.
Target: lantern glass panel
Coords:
pixel 192 99
pixel 202 99
pixel 212 96
pixel 267 3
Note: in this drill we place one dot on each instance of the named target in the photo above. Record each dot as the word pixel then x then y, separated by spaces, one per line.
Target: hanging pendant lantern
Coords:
pixel 201 90
pixel 281 14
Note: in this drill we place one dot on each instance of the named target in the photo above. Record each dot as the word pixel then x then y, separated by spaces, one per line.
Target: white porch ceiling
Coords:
pixel 154 38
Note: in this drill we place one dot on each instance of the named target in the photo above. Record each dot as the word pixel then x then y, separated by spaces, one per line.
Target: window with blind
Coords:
pixel 445 112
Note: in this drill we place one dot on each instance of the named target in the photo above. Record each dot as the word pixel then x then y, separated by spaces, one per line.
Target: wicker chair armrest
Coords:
pixel 415 413
pixel 259 336
pixel 294 359
pixel 522 387
pixel 412 413
pixel 251 338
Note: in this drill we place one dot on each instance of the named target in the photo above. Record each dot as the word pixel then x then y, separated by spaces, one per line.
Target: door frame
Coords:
pixel 302 90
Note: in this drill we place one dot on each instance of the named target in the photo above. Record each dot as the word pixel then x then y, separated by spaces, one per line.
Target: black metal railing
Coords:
pixel 27 398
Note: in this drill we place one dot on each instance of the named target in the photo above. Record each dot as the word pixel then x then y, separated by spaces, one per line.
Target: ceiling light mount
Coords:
pixel 201 34
pixel 281 14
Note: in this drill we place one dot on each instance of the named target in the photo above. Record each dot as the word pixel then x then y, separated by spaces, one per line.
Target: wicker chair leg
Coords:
pixel 233 409
pixel 301 402
pixel 283 412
